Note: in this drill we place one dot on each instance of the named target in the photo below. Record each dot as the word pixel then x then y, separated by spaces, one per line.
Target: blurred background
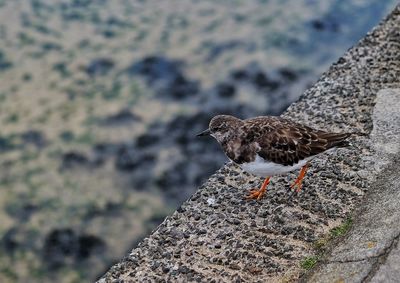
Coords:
pixel 100 102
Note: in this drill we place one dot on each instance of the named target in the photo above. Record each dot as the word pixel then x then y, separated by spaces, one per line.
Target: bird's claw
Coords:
pixel 298 184
pixel 256 194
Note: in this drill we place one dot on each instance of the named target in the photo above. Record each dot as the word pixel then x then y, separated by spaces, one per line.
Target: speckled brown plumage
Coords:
pixel 286 142
pixel 275 139
pixel 267 145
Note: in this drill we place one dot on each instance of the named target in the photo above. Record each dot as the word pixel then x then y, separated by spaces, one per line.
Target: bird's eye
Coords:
pixel 216 129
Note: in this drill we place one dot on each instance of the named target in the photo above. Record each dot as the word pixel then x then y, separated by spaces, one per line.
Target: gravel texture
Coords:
pixel 218 236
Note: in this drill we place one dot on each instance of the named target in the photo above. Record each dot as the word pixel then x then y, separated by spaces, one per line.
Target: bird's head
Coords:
pixel 221 127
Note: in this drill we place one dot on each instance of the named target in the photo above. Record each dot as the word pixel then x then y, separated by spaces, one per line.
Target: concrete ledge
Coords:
pixel 217 236
pixel 370 249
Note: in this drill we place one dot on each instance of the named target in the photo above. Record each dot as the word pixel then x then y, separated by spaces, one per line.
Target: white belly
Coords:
pixel 263 168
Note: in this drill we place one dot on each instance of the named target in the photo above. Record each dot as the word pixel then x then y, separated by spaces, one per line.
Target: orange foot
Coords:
pixel 299 181
pixel 258 194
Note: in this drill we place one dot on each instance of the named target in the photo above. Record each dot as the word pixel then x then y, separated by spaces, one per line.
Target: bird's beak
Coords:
pixel 204 133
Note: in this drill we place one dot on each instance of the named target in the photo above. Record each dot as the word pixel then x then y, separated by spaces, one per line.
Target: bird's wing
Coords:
pixel 290 142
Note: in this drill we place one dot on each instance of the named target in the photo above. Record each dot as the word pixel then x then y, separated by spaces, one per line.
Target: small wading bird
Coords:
pixel 266 146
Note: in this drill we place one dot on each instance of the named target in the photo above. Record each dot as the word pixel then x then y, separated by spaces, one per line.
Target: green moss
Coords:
pixel 321 244
pixel 309 262
pixel 334 233
pixel 341 229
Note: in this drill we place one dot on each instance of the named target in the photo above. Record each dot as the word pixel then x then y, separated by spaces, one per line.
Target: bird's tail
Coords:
pixel 336 139
pixel 340 139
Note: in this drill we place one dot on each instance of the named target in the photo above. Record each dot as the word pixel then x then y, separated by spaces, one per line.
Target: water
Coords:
pixel 100 102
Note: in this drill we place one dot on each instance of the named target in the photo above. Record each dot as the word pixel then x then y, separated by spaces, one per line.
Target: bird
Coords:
pixel 266 146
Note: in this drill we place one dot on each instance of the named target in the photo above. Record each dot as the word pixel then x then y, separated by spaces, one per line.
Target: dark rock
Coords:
pixel 261 81
pixel 188 126
pixel 240 74
pixel 81 4
pixel 34 137
pixel 6 144
pixel 106 148
pixel 111 209
pixel 21 211
pixel 58 245
pixel 318 24
pixel 146 140
pixel 122 118
pixel 172 179
pixel 108 33
pixel 156 68
pixel 62 69
pixel 217 49
pixel 288 74
pixel 165 76
pixel 9 240
pixel 226 90
pixel 99 67
pixel 128 159
pixel 67 136
pixel 103 151
pixel 89 245
pixel 181 88
pixel 62 246
pixel 327 24
pixel 4 62
pixel 73 159
pixel 51 46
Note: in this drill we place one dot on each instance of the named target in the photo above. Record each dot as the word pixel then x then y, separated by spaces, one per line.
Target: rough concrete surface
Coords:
pixel 390 270
pixel 370 250
pixel 218 236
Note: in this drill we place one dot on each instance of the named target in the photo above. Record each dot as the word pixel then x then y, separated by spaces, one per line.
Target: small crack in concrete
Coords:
pixel 381 259
pixel 385 252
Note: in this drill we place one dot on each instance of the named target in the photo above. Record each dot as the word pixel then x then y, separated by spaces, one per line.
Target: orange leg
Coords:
pixel 258 194
pixel 299 180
